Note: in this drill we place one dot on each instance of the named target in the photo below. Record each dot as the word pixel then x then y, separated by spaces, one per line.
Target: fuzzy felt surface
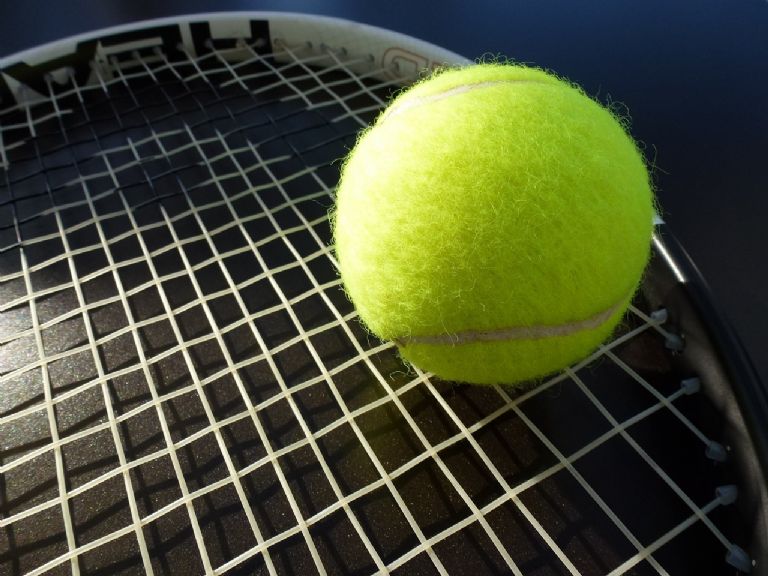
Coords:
pixel 493 199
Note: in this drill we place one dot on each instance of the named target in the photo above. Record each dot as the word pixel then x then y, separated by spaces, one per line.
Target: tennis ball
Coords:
pixel 494 223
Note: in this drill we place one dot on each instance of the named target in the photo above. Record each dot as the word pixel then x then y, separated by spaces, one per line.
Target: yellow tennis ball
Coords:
pixel 494 223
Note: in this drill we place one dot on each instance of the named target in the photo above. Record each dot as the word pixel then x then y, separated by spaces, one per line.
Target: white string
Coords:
pixel 86 320
pixel 337 396
pixel 651 462
pixel 60 474
pixel 61 479
pixel 438 564
pixel 658 543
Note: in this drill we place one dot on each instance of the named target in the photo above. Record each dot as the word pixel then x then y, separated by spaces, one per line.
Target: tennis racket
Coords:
pixel 185 389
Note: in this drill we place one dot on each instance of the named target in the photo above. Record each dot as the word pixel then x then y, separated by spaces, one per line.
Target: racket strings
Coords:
pixel 221 175
pixel 169 314
pixel 425 546
pixel 283 387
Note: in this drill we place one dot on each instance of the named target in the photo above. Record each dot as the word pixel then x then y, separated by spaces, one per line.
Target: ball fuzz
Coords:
pixel 494 223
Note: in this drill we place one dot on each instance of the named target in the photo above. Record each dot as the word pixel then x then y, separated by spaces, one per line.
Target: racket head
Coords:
pixel 188 389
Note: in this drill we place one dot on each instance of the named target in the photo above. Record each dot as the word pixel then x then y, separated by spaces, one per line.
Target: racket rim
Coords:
pixel 272 16
pixel 751 392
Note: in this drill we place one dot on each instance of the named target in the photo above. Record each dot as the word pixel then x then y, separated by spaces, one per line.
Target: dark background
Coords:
pixel 694 76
